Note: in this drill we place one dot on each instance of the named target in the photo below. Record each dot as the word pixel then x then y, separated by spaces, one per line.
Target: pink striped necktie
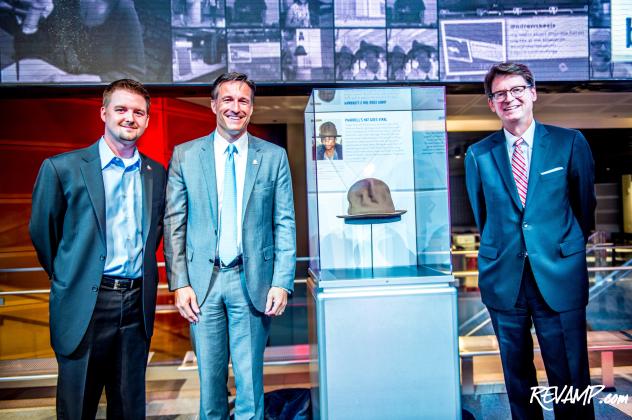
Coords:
pixel 519 169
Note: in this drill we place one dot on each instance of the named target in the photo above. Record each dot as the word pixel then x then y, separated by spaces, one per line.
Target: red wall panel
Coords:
pixel 34 129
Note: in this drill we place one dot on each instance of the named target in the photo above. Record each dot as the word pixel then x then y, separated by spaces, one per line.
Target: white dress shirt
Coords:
pixel 527 144
pixel 240 158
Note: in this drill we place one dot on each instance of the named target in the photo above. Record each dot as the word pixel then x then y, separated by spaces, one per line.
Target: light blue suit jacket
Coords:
pixel 268 226
pixel 551 229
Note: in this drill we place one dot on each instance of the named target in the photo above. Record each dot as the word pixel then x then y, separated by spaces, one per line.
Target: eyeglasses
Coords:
pixel 516 92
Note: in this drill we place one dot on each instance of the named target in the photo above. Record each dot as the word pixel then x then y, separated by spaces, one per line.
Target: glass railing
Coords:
pixel 24 334
pixel 610 282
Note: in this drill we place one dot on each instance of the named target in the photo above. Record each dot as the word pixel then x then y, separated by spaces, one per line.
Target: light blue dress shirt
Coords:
pixel 123 213
pixel 220 145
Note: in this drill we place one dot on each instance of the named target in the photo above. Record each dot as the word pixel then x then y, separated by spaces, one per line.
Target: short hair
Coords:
pixel 503 69
pixel 233 77
pixel 129 85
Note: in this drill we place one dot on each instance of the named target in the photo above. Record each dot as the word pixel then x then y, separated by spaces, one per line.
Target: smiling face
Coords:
pixel 233 107
pixel 126 117
pixel 329 142
pixel 516 114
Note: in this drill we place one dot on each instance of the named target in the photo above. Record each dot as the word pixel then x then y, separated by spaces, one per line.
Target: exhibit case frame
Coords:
pixel 382 304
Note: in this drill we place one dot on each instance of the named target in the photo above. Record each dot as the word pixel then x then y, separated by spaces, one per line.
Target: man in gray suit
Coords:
pixel 230 247
pixel 96 224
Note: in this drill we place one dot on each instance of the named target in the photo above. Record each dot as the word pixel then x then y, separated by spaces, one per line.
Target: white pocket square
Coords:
pixel 559 168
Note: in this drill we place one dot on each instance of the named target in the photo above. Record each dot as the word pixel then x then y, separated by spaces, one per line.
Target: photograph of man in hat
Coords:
pixel 370 62
pixel 397 64
pixel 424 64
pixel 345 59
pixel 329 149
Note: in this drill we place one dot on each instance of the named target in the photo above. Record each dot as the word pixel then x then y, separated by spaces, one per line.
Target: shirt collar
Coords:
pixel 527 136
pixel 107 156
pixel 221 144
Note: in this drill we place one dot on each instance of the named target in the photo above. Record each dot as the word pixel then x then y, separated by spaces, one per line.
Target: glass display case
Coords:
pixel 382 302
pixel 397 137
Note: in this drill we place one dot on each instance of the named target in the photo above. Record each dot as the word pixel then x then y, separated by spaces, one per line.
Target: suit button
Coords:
pixel 95 289
pixel 525 225
pixel 102 257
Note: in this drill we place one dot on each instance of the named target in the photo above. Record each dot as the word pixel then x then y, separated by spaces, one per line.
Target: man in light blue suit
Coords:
pixel 531 187
pixel 230 247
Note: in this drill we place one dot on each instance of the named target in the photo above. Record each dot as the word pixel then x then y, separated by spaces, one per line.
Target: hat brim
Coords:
pixel 372 215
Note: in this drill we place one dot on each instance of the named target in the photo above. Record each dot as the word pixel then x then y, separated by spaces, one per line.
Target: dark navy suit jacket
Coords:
pixel 68 227
pixel 551 230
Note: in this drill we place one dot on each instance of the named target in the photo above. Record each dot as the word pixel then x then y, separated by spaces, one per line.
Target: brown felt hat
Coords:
pixel 370 198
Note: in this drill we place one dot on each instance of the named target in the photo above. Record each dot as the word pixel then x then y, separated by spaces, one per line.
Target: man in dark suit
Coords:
pixel 531 187
pixel 230 247
pixel 96 224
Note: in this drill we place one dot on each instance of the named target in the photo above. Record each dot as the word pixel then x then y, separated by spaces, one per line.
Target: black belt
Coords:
pixel 120 283
pixel 234 263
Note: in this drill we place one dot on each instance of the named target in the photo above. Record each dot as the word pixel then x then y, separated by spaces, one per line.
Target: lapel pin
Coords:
pixel 148 168
pixel 255 162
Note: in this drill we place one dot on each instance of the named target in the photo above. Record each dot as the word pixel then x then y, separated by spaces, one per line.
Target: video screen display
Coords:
pixel 310 41
pixel 551 38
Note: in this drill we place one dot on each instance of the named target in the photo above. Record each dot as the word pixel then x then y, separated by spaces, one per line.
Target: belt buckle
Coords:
pixel 118 284
pixel 224 267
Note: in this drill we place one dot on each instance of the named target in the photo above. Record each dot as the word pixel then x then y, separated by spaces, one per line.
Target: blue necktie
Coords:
pixel 228 217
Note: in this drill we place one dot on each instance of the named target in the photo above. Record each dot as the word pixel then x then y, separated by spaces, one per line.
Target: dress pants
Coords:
pixel 562 339
pixel 112 354
pixel 229 324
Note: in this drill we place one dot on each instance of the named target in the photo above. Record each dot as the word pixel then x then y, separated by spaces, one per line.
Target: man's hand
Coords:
pixel 187 305
pixel 277 300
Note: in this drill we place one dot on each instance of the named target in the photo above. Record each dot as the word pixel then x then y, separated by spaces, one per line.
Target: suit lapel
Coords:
pixel 252 169
pixel 146 176
pixel 93 179
pixel 499 151
pixel 539 155
pixel 207 161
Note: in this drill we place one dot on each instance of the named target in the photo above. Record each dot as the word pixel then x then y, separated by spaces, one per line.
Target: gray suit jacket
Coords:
pixel 551 229
pixel 268 226
pixel 68 231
